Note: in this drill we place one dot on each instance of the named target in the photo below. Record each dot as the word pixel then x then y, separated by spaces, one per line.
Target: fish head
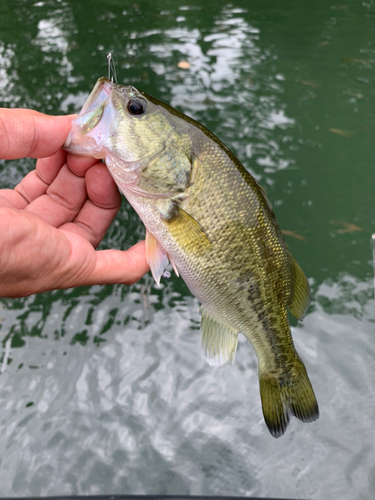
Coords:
pixel 144 142
pixel 121 123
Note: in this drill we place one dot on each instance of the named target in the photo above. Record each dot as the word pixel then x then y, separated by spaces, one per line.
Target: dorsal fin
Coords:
pixel 300 297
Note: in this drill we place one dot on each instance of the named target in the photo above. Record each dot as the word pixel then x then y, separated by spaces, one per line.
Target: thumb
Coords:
pixel 116 266
pixel 24 132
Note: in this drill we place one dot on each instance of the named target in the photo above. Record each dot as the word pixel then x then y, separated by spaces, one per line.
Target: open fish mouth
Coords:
pixel 94 127
pixel 91 129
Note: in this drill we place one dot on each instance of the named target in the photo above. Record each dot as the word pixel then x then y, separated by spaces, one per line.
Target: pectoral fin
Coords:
pixel 156 257
pixel 219 342
pixel 186 228
pixel 300 298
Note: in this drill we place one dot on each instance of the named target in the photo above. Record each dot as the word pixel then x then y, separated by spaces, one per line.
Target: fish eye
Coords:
pixel 136 106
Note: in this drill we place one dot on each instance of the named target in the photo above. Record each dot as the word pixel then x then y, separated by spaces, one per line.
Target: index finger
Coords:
pixel 24 132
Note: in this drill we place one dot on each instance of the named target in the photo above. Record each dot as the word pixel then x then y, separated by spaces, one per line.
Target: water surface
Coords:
pixel 103 389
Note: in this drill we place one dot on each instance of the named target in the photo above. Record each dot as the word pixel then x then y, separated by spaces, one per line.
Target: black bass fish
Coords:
pixel 207 216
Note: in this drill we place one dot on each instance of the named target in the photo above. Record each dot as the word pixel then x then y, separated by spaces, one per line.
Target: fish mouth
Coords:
pixel 85 138
pixel 91 131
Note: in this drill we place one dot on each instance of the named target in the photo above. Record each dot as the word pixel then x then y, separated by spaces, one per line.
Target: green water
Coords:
pixel 104 390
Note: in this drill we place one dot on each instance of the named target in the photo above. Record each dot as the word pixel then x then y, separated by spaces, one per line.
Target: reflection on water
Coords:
pixel 103 389
pixel 6 75
pixel 225 85
pixel 97 396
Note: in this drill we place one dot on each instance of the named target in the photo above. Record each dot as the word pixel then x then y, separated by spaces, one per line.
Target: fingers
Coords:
pixel 24 132
pixel 36 183
pixel 48 168
pixel 80 164
pixel 84 205
pixel 98 212
pixel 9 198
pixel 63 200
pixel 101 188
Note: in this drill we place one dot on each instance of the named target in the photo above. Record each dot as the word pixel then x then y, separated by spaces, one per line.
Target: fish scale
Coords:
pixel 206 214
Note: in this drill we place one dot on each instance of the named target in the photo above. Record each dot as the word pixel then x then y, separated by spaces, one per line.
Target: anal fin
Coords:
pixel 156 256
pixel 300 298
pixel 219 342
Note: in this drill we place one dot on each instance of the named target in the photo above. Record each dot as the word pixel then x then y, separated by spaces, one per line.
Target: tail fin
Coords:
pixel 287 395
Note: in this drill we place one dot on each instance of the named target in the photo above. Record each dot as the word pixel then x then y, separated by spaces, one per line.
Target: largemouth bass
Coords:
pixel 210 218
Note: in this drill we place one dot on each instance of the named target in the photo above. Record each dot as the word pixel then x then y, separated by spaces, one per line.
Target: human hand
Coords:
pixel 52 221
